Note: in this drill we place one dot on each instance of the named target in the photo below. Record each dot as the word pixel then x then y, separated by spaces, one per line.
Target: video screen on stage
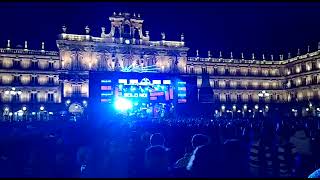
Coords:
pixel 143 90
pixel 140 94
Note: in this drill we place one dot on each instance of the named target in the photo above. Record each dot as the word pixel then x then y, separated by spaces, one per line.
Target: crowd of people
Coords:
pixel 171 147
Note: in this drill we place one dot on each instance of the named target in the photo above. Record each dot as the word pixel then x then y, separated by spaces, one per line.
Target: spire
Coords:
pixel 271 57
pixel 163 36
pixel 298 52
pixel 119 13
pixel 263 57
pixel 64 29
pixel 87 29
pixel 281 57
pixel 308 49
pixel 220 54
pixel 209 54
pixel 147 33
pixel 242 57
pixel 8 44
pixel 231 56
pixel 318 45
pixel 103 32
pixel 182 37
pixel 134 14
pixel 289 55
pixel 252 56
pixel 197 52
pixel 138 15
pixel 114 13
pixel 25 45
pixel 42 46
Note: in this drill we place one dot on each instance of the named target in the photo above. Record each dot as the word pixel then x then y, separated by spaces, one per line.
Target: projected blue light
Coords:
pixel 122 104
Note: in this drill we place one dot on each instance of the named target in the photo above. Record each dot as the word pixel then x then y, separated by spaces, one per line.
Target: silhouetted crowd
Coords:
pixel 171 147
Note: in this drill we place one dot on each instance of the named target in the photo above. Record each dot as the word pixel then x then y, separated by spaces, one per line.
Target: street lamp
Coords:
pixel 13 92
pixel 263 94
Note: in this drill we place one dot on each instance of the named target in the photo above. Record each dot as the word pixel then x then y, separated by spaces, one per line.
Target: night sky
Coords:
pixel 270 28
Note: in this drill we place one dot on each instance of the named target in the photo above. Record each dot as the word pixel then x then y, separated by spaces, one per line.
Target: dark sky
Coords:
pixel 239 27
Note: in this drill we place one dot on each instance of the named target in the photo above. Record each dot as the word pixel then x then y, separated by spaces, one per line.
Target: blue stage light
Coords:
pixel 122 104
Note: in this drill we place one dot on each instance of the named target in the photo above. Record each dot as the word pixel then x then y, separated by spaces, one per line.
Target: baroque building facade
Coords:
pixel 41 83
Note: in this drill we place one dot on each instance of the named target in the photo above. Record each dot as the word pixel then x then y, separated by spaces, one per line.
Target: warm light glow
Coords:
pixel 42 79
pixel 256 106
pixel 24 108
pixel 245 107
pixel 41 108
pixel 308 67
pixel 298 69
pixel 234 107
pixel 20 113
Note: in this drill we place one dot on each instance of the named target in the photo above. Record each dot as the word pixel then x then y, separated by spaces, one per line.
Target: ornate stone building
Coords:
pixel 37 82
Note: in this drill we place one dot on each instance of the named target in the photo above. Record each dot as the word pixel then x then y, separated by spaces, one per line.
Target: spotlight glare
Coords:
pixel 123 104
